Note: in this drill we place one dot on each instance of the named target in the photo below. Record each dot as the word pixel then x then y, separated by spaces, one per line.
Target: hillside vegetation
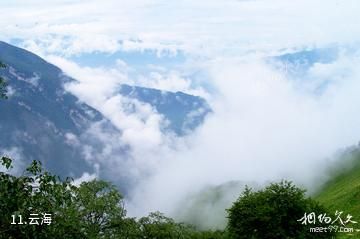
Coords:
pixel 342 192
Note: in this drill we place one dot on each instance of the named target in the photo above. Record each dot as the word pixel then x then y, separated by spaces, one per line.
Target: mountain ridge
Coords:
pixel 42 121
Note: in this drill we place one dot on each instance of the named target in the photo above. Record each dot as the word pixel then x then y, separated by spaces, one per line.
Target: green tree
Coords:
pixel 32 195
pixel 3 84
pixel 218 234
pixel 101 209
pixel 92 210
pixel 156 225
pixel 273 213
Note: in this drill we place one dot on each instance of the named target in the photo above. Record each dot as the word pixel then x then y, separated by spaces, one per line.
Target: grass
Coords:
pixel 342 192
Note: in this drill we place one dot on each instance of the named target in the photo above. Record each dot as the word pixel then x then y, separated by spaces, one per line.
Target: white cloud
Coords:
pixel 264 127
pixel 170 80
pixel 94 84
pixel 140 126
pixel 85 177
pixel 201 27
pixel 98 87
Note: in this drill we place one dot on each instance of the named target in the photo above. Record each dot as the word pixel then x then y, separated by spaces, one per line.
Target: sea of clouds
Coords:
pixel 265 126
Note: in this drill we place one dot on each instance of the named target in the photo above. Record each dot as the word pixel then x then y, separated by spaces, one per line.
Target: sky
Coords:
pixel 270 120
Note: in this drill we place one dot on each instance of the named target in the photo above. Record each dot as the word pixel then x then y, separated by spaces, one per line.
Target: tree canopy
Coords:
pixel 273 213
pixel 95 209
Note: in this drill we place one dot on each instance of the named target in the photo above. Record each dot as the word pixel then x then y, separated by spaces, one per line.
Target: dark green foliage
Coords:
pixel 211 235
pixel 273 213
pixel 35 192
pixel 87 211
pixel 156 225
pixel 100 208
pixel 3 84
pixel 92 210
pixel 95 210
